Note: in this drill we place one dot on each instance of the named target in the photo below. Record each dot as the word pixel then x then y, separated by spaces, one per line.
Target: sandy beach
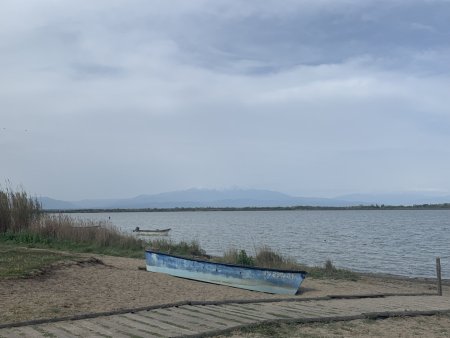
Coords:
pixel 118 283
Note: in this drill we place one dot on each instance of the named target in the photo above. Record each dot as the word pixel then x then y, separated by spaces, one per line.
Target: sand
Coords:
pixel 118 283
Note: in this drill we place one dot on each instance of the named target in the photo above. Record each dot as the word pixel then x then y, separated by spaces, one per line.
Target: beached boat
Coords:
pixel 250 278
pixel 151 231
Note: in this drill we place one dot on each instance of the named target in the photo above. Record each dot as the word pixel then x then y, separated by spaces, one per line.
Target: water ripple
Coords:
pixel 398 242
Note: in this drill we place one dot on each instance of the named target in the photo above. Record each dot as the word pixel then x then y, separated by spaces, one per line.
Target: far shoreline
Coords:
pixel 375 207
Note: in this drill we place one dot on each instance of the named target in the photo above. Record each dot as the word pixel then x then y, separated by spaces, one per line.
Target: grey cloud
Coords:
pixel 306 97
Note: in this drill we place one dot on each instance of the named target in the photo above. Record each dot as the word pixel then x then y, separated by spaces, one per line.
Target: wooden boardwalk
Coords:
pixel 209 320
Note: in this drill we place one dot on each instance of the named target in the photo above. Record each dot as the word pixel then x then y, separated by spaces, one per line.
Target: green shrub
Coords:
pixel 244 259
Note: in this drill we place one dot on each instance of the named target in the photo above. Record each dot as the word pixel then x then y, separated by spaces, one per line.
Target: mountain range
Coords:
pixel 239 198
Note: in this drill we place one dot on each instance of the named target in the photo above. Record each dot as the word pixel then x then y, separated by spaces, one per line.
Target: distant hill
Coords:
pixel 50 203
pixel 197 198
pixel 239 198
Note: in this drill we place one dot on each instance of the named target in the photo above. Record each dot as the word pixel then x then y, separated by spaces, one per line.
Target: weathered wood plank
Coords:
pixel 244 313
pixel 117 325
pixel 74 329
pixel 196 321
pixel 97 328
pixel 225 321
pixel 151 325
pixel 244 310
pixel 57 331
pixel 207 310
pixel 11 333
pixel 29 331
pixel 209 319
pixel 166 323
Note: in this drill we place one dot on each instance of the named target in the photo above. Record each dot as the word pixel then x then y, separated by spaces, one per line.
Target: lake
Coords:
pixel 402 242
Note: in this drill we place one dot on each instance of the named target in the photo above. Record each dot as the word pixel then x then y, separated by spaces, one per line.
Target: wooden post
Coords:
pixel 438 273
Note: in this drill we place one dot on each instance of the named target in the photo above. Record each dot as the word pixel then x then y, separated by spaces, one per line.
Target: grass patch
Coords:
pixel 16 262
pixel 35 240
pixel 234 256
pixel 267 258
pixel 186 249
pixel 329 271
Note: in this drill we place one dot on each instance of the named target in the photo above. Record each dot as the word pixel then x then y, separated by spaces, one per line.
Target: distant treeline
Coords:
pixel 299 207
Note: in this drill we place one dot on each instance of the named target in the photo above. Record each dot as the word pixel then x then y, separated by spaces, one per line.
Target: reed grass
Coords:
pixel 18 211
pixel 234 256
pixel 187 249
pixel 65 233
pixel 266 257
pixel 22 222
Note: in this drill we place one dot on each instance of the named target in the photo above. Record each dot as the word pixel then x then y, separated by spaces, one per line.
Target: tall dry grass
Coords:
pixel 22 221
pixel 98 233
pixel 267 257
pixel 18 211
pixel 264 257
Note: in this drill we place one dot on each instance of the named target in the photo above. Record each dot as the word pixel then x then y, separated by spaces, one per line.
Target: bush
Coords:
pixel 244 259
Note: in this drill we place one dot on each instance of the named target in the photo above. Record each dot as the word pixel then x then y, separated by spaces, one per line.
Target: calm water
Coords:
pixel 396 242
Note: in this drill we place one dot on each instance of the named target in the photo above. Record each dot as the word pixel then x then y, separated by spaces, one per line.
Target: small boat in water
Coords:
pixel 150 232
pixel 250 278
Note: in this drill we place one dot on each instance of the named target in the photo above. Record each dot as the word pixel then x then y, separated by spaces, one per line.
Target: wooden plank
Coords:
pixel 10 333
pixel 216 313
pixel 191 325
pixel 202 317
pixel 155 328
pixel 74 329
pixel 242 313
pixel 239 313
pixel 29 331
pixel 291 313
pixel 259 313
pixel 166 323
pixel 198 322
pixel 308 308
pixel 116 324
pixel 308 312
pixel 150 324
pixel 97 328
pixel 215 319
pixel 55 331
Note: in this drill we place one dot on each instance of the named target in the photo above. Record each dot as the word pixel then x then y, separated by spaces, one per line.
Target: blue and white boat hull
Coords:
pixel 250 278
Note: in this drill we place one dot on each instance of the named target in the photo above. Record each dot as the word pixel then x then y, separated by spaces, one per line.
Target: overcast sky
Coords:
pixel 112 98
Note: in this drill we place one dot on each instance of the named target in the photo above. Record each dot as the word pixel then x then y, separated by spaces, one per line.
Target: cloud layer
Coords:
pixel 117 98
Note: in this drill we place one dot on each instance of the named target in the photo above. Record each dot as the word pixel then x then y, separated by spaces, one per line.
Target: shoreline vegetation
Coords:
pixel 442 206
pixel 24 224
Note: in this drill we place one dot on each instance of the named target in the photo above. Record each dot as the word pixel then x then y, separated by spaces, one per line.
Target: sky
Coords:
pixel 116 98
